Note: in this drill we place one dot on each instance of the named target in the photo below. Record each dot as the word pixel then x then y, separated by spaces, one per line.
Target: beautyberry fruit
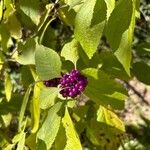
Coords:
pixel 52 83
pixel 72 84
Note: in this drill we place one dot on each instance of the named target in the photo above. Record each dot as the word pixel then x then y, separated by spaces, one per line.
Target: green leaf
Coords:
pixel 9 8
pixel 118 22
pixel 123 53
pixel 73 142
pixel 13 26
pixel 5 37
pixel 48 132
pixel 67 15
pixel 1 60
pixel 23 107
pixel 89 27
pixel 137 5
pixel 36 114
pixel 26 76
pixel 103 135
pixel 73 3
pixel 21 143
pixel 9 147
pixel 70 51
pixel 45 29
pixel 17 137
pixel 31 9
pixel 60 140
pixel 1 9
pixel 11 106
pixel 103 90
pixel 142 72
pixel 51 35
pixel 26 52
pixel 109 64
pixel 110 118
pixel 36 107
pixel 47 97
pixel 48 64
pixel 110 6
pixel 143 49
pixel 7 118
pixel 31 141
pixel 115 100
pixel 41 145
pixel 8 87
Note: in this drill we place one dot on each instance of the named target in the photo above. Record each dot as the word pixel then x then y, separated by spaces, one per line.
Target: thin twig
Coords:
pixel 129 86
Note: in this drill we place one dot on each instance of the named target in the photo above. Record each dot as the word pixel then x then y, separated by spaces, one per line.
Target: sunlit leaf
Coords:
pixel 36 108
pixel 13 26
pixel 73 141
pixel 70 51
pixel 26 52
pixel 1 9
pixel 110 118
pixel 89 27
pixel 8 87
pixel 123 53
pixel 118 22
pixel 48 132
pixel 21 143
pixel 110 6
pixel 47 97
pixel 48 64
pixel 31 9
pixel 60 141
pixel 103 90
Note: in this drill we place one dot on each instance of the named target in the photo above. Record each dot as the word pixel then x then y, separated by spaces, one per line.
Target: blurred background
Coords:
pixel 136 114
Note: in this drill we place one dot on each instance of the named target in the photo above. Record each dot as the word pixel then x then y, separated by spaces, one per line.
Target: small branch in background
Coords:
pixel 128 86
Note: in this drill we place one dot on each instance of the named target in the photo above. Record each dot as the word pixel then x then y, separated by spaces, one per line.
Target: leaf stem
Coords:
pixel 42 35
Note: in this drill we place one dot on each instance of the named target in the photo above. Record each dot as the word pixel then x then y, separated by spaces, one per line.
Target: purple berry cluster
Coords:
pixel 72 84
pixel 52 83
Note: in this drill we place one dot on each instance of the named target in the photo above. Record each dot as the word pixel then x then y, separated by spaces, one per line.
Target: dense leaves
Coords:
pixel 89 27
pixel 61 65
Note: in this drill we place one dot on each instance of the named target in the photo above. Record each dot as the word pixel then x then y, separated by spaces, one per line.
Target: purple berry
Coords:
pixel 72 84
pixel 74 90
pixel 81 88
pixel 52 83
pixel 71 94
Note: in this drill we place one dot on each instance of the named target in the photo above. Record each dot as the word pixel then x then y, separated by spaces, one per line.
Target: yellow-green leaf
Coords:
pixel 48 132
pixel 118 22
pixel 110 6
pixel 48 64
pixel 23 107
pixel 13 26
pixel 36 107
pixel 31 9
pixel 1 9
pixel 70 51
pixel 73 141
pixel 123 53
pixel 8 87
pixel 26 52
pixel 21 143
pixel 47 97
pixel 110 118
pixel 89 25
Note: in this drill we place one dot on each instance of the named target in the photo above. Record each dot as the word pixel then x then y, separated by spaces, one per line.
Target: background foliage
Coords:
pixel 107 41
